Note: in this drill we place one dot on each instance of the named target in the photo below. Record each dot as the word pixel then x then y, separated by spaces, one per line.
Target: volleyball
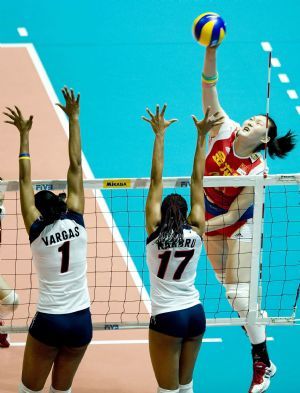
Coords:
pixel 209 29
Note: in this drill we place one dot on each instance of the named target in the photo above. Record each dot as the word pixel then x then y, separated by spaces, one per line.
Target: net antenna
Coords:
pixel 265 173
pixel 268 109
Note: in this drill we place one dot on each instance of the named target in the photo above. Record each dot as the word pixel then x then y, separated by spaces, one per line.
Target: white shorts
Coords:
pixel 244 233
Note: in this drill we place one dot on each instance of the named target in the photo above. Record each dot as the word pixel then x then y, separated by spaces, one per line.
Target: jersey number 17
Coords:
pixel 187 255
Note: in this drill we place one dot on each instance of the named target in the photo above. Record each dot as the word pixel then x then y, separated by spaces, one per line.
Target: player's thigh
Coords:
pixel 188 357
pixel 65 366
pixel 238 261
pixel 37 362
pixel 216 250
pixel 165 353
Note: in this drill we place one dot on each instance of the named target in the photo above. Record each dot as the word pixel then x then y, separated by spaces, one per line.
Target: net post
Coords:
pixel 256 250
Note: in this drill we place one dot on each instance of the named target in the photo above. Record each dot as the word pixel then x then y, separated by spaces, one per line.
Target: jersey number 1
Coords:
pixel 165 258
pixel 65 250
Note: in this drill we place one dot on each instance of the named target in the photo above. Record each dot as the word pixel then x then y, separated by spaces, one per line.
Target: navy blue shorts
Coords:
pixel 186 323
pixel 58 330
pixel 215 210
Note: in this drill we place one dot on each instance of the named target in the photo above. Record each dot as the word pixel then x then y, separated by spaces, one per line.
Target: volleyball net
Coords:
pixel 118 277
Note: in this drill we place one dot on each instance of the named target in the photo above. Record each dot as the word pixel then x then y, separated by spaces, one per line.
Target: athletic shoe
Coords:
pixel 261 377
pixel 4 343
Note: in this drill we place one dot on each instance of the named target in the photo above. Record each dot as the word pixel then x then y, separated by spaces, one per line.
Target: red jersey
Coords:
pixel 221 160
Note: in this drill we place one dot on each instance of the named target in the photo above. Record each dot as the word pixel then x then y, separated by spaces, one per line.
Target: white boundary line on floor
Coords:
pixel 132 342
pixel 88 173
pixel 122 342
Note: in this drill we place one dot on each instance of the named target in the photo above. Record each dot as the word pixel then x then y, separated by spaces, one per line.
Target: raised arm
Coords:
pixel 29 211
pixel 238 207
pixel 154 199
pixel 209 81
pixel 75 199
pixel 196 217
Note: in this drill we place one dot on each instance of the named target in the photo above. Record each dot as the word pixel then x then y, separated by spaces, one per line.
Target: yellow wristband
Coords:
pixel 24 158
pixel 210 79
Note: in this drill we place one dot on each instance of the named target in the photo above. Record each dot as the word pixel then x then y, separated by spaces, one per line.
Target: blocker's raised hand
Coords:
pixel 71 108
pixel 208 122
pixel 17 119
pixel 158 121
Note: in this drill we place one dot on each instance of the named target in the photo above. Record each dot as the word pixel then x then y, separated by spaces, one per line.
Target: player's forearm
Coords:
pixel 199 161
pixel 222 221
pixel 209 80
pixel 74 142
pixel 210 62
pixel 24 161
pixel 157 158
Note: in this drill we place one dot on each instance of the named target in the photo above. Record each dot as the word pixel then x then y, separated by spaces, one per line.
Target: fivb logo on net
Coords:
pixel 44 187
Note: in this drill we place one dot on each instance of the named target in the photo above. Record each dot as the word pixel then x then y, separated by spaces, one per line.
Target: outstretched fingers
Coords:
pixel 60 105
pixel 196 121
pixel 216 122
pixel 147 120
pixel 18 111
pixel 72 95
pixel 150 113
pixel 12 112
pixel 207 113
pixel 163 110
pixel 64 93
pixel 9 115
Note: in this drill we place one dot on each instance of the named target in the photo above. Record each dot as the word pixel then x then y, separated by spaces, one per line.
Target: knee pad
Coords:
pixel 238 297
pixel 9 303
pixel 52 390
pixel 161 390
pixel 24 389
pixel 186 388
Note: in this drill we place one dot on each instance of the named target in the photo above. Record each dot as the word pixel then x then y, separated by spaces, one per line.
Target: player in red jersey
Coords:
pixel 234 150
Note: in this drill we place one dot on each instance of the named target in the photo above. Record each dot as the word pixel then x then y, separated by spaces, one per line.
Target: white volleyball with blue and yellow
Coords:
pixel 209 29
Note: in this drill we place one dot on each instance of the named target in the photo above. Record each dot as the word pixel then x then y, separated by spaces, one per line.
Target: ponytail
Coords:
pixel 279 147
pixel 173 212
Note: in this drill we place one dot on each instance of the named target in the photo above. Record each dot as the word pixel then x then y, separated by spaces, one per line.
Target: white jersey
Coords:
pixel 173 272
pixel 59 254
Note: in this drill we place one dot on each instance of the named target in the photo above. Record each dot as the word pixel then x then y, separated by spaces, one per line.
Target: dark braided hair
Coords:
pixel 173 218
pixel 278 147
pixel 50 205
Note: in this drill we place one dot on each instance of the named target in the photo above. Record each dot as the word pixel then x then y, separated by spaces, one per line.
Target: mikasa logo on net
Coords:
pixel 117 183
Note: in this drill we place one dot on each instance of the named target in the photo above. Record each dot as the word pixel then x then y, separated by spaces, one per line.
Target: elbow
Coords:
pixel 76 164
